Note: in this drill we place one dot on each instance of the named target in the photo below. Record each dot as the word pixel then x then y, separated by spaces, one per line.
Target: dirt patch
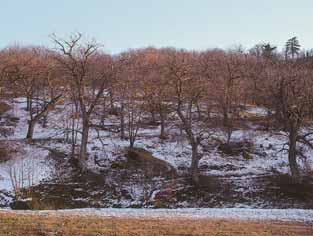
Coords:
pixel 132 182
pixel 290 190
pixel 243 148
pixel 125 183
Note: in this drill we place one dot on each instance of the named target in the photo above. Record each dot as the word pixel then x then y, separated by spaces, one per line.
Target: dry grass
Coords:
pixel 27 225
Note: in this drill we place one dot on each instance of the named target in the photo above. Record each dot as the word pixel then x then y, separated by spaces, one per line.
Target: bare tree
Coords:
pixel 131 94
pixel 187 89
pixel 29 71
pixel 225 75
pixel 84 65
pixel 290 92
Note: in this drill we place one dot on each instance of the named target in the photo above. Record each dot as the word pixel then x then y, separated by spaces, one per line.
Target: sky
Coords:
pixel 191 24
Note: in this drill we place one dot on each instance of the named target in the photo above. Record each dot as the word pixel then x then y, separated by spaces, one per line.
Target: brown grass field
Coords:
pixel 30 225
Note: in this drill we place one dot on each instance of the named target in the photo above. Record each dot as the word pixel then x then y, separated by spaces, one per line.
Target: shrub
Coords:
pixel 3 154
pixel 4 107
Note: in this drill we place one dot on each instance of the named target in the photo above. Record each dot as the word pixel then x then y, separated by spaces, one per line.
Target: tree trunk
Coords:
pixel 195 164
pixel 103 112
pixel 153 120
pixel 122 122
pixel 112 107
pixel 45 120
pixel 28 104
pixel 45 117
pixel 208 111
pixel 199 111
pixel 83 146
pixel 194 143
pixel 35 119
pixel 229 133
pixel 73 136
pixel 162 132
pixel 131 142
pixel 292 154
pixel 37 102
pixel 30 130
pixel 225 117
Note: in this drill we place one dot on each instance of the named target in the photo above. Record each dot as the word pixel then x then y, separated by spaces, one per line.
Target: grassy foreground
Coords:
pixel 30 225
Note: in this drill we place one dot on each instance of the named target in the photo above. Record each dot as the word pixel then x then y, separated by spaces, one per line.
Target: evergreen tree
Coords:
pixel 292 47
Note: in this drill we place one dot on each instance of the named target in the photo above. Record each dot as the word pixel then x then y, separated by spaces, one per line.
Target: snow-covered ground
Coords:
pixel 27 164
pixel 289 215
pixel 26 167
pixel 266 156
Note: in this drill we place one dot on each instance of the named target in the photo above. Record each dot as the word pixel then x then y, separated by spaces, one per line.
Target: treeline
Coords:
pixel 203 89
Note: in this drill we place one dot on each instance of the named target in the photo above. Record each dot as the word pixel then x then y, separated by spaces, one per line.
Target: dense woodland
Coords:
pixel 202 90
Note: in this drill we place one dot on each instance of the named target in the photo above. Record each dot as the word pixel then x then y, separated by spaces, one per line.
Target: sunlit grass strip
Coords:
pixel 18 224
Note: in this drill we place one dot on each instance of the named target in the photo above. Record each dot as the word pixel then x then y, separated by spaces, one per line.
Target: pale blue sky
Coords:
pixel 191 24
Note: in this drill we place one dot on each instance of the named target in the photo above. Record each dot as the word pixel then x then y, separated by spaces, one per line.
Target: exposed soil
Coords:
pixel 132 182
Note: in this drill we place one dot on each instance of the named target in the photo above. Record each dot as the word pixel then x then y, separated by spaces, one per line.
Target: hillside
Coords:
pixel 254 175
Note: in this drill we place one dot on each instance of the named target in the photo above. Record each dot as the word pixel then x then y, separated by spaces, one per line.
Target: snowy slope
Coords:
pixel 267 157
pixel 175 150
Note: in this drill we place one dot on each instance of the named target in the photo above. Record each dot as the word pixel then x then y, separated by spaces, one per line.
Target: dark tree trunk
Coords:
pixel 225 117
pixel 30 130
pixel 33 120
pixel 153 120
pixel 208 111
pixel 45 116
pixel 74 129
pixel 292 154
pixel 131 142
pixel 37 102
pixel 195 163
pixel 103 112
pixel 199 111
pixel 28 104
pixel 112 107
pixel 73 136
pixel 122 122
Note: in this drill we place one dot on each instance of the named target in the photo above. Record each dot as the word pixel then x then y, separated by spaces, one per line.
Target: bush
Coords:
pixel 3 154
pixel 4 107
